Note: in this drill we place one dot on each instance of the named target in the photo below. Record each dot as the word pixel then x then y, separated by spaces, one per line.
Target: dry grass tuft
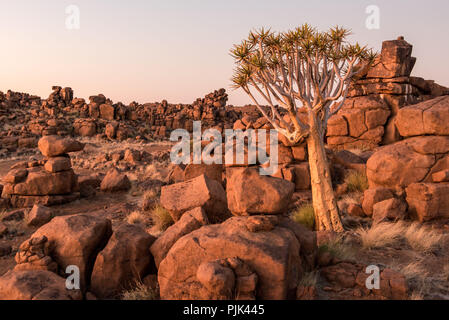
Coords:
pixel 137 217
pixel 423 239
pixel 357 181
pixel 140 292
pixel 339 248
pixel 381 235
pixel 161 217
pixel 305 215
pixel 420 238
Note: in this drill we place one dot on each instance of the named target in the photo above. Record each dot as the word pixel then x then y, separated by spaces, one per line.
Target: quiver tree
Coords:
pixel 304 74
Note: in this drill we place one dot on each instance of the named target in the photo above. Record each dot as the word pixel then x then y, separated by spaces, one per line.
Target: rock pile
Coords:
pixel 415 169
pixel 367 119
pixel 25 118
pixel 49 181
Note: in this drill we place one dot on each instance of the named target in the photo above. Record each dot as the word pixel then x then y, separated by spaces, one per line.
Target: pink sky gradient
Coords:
pixel 178 50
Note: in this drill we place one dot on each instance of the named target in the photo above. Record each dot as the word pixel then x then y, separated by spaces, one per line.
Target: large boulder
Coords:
pixel 35 285
pixel 52 146
pixel 189 222
pixel 76 240
pixel 409 161
pixel 250 193
pixel 272 252
pixel 198 192
pixel 40 182
pixel 428 201
pixel 125 260
pixel 426 118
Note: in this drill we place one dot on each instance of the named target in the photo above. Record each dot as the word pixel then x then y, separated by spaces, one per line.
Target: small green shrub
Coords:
pixel 305 215
pixel 357 181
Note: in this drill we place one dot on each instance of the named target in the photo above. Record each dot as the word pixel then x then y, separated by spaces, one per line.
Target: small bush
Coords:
pixel 381 235
pixel 423 239
pixel 356 181
pixel 140 292
pixel 161 217
pixel 305 215
pixel 137 217
pixel 420 238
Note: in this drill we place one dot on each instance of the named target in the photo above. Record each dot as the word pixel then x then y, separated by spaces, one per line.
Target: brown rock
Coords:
pixel 189 222
pixel 198 192
pixel 76 240
pixel 115 181
pixel 373 196
pixel 250 193
pixel 58 164
pixel 337 126
pixel 38 216
pixel 273 255
pixel 426 118
pixel 107 112
pixel 52 146
pixel 212 171
pixel 35 285
pixel 394 61
pixel 392 209
pixel 441 176
pixel 355 210
pixel 43 183
pixel 125 260
pixel 428 201
pixel 217 279
pixel 299 153
pixel 406 162
pixel 302 176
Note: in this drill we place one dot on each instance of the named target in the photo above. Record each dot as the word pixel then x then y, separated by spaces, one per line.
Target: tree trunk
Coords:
pixel 324 202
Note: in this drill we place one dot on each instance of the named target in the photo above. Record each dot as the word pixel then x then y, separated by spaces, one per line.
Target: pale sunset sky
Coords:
pixel 178 50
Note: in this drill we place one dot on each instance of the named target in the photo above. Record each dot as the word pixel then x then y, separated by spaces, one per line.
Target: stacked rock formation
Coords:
pixel 49 181
pixel 416 169
pixel 25 118
pixel 367 119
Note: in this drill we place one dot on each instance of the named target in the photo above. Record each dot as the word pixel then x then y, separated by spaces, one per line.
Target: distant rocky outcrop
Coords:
pixel 367 119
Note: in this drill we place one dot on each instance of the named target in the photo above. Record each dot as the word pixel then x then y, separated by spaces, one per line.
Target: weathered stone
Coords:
pixel 76 240
pixel 38 216
pixel 35 285
pixel 52 146
pixel 198 192
pixel 189 222
pixel 250 193
pixel 392 209
pixel 125 260
pixel 427 118
pixel 115 181
pixel 373 196
pixel 273 255
pixel 428 201
pixel 58 164
pixel 212 171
